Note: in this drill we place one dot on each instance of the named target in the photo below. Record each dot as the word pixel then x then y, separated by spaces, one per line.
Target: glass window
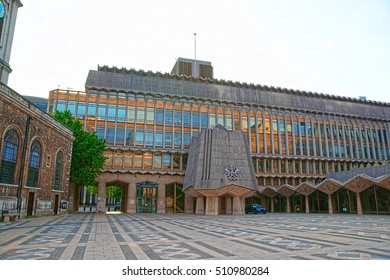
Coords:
pixel 229 123
pixel 121 113
pixel 177 118
pixel 149 137
pixel 58 171
pixel 139 139
pixel 9 156
pixel 92 109
pixel 168 138
pixel 204 120
pixel 111 112
pixel 61 105
pixel 147 161
pixel 131 114
pixel 295 128
pixel 186 140
pixel 110 135
pixel 150 116
pixel 159 138
pixel 34 164
pixel 282 126
pixel 140 115
pixel 195 120
pixel 177 140
pixel 176 161
pixel 120 135
pixel 187 119
pixel 168 116
pixel 167 161
pixel 81 110
pixel 100 132
pixel 159 116
pixel 130 137
pixel 157 161
pixel 72 107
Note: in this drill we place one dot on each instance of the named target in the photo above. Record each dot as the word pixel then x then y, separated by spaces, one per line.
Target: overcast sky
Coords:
pixel 339 47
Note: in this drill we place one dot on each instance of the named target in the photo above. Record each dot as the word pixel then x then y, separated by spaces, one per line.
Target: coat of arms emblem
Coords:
pixel 232 172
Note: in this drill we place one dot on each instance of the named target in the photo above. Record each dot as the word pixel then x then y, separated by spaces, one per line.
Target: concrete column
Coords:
pixel 161 198
pixel 212 205
pixel 188 204
pixel 307 204
pixel 330 204
pixel 229 208
pixel 238 205
pixel 131 198
pixel 199 205
pixel 288 205
pixel 101 200
pixel 272 205
pixel 359 204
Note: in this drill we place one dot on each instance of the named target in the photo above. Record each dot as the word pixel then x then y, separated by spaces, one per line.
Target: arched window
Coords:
pixel 9 156
pixel 58 172
pixel 34 164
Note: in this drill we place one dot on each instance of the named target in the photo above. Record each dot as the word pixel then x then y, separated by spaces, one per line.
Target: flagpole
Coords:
pixel 195 71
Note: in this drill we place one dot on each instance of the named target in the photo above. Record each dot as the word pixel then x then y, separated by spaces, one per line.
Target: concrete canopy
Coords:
pixel 220 165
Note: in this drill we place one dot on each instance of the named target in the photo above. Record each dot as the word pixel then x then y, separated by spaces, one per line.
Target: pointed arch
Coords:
pixel 10 148
pixel 34 164
pixel 58 170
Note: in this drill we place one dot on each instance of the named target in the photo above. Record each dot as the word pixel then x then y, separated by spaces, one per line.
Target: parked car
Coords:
pixel 255 208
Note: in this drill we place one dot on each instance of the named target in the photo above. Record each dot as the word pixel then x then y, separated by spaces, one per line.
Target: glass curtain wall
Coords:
pixel 131 120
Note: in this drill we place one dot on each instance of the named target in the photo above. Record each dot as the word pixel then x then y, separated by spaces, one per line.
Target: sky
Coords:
pixel 337 47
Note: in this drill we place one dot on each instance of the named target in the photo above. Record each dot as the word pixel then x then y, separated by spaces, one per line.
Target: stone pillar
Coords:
pixel 272 205
pixel 288 205
pixel 199 205
pixel 131 198
pixel 212 205
pixel 330 204
pixel 161 198
pixel 101 199
pixel 73 198
pixel 307 204
pixel 238 205
pixel 229 209
pixel 359 204
pixel 188 204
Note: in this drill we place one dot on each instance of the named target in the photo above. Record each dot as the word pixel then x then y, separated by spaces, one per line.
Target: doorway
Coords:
pixel 56 202
pixel 147 198
pixel 30 205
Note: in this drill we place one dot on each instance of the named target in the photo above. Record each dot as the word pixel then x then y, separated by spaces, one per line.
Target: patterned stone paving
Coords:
pixel 274 236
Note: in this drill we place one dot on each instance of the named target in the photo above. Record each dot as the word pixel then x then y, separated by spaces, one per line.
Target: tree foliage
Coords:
pixel 87 153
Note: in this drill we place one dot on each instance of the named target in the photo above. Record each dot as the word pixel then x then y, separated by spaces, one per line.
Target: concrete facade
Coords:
pixel 295 138
pixel 220 171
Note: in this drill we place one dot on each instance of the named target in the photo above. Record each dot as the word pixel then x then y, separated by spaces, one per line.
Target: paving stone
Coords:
pixel 274 236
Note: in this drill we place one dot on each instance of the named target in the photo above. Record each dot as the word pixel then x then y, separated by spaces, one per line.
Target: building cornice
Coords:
pixel 236 84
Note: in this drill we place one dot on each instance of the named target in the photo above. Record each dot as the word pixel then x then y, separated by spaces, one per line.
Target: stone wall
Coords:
pixel 52 136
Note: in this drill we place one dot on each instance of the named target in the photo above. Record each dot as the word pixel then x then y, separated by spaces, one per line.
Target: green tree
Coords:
pixel 87 153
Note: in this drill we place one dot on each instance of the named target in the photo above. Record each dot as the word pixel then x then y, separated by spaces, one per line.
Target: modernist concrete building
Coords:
pixel 295 138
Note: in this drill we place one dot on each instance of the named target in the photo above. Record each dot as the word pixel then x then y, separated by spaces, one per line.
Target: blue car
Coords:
pixel 255 209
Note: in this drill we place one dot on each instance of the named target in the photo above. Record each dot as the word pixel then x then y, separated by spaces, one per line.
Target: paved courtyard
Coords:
pixel 88 236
